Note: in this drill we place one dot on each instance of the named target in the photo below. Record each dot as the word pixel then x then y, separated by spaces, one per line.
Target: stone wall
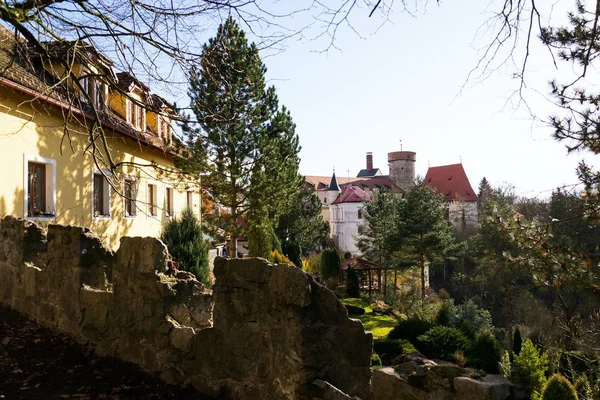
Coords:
pixel 265 331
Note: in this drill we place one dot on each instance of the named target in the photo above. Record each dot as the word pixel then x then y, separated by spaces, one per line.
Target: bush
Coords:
pixel 352 285
pixel 184 239
pixel 330 264
pixel 529 368
pixel 517 341
pixel 485 353
pixel 442 342
pixel 558 388
pixel 469 311
pixel 294 253
pixel 277 258
pixel 505 365
pixel 312 264
pixel 375 360
pixel 446 313
pixel 388 349
pixel 410 329
pixel 354 310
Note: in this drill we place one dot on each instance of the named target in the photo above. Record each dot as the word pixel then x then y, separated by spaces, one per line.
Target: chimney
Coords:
pixel 369 161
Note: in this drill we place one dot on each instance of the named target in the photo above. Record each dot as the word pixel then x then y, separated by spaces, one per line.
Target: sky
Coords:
pixel 404 85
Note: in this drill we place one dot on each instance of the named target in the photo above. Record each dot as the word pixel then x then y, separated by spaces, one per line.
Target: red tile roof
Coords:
pixel 451 181
pixel 352 194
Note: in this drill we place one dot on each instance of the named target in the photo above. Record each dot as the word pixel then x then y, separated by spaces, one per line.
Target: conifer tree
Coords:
pixel 242 143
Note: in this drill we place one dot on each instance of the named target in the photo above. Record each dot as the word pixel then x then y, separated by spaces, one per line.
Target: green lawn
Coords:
pixel 378 325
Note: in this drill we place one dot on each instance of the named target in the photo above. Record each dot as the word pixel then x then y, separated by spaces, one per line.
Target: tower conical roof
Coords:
pixel 333 185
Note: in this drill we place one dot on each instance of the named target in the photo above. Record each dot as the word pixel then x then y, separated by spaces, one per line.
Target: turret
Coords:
pixel 402 168
pixel 333 190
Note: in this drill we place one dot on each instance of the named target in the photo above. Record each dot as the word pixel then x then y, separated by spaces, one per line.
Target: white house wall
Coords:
pixel 344 225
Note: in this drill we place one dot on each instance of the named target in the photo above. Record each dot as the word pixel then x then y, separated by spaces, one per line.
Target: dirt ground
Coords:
pixel 37 363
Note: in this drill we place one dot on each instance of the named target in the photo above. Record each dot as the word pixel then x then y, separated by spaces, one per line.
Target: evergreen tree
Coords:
pixel 485 192
pixel 330 264
pixel 352 284
pixel 558 388
pixel 421 232
pixel 529 368
pixel 242 143
pixel 517 341
pixel 183 237
pixel 301 223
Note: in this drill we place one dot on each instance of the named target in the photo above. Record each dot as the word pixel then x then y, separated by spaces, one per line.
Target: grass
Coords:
pixel 378 325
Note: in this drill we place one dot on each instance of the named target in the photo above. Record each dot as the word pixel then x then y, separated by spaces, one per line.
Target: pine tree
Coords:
pixel 242 143
pixel 374 235
pixel 421 232
pixel 485 192
pixel 517 341
pixel 184 239
pixel 330 264
pixel 352 285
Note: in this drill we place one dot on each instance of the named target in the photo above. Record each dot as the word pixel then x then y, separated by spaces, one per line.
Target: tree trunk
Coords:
pixel 507 309
pixel 422 265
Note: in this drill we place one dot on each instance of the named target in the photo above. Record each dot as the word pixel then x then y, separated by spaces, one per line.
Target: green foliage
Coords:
pixel 354 310
pixel 558 388
pixel 312 264
pixel 352 285
pixel 410 329
pixel 294 253
pixel 529 368
pixel 470 312
pixel 330 264
pixel 485 353
pixel 261 238
pixel 446 313
pixel 517 341
pixel 375 240
pixel 441 342
pixel 301 223
pixel 277 258
pixel 375 360
pixel 184 239
pixel 505 365
pixel 388 349
pixel 243 144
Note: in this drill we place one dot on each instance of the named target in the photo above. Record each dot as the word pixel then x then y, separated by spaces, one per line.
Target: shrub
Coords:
pixel 184 239
pixel 330 264
pixel 388 349
pixel 294 253
pixel 559 388
pixel 446 313
pixel 354 310
pixel 517 341
pixel 485 353
pixel 352 285
pixel 375 360
pixel 313 264
pixel 277 258
pixel 469 311
pixel 505 365
pixel 442 342
pixel 529 368
pixel 410 329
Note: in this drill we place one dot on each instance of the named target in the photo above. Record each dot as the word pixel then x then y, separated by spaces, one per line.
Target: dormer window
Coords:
pixel 164 129
pixel 96 90
pixel 136 115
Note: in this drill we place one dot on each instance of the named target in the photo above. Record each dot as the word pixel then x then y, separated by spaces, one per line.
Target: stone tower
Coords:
pixel 402 168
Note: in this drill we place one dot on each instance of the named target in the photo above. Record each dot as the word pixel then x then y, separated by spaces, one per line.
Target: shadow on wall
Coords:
pixel 268 332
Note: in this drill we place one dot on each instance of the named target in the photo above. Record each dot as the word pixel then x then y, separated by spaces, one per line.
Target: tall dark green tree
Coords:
pixel 485 192
pixel 421 227
pixel 375 239
pixel 242 143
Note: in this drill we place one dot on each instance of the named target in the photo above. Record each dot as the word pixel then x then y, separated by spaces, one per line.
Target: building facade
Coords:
pixel 54 164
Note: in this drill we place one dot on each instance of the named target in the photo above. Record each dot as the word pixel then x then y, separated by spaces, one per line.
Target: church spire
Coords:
pixel 333 185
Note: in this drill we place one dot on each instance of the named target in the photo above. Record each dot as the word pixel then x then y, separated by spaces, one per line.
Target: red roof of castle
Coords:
pixel 451 181
pixel 352 194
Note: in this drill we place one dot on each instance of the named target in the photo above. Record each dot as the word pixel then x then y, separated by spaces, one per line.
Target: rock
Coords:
pixel 387 384
pixel 491 387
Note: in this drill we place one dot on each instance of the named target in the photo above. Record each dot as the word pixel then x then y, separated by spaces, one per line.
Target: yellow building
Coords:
pixel 55 168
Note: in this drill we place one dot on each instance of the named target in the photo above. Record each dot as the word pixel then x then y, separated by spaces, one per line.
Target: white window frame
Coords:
pixel 135 182
pixel 156 185
pixel 166 198
pixel 189 199
pixel 107 194
pixel 135 110
pixel 50 186
pixel 98 93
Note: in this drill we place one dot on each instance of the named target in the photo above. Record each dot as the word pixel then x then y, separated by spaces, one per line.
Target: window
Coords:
pixel 136 115
pixel 40 185
pixel 164 129
pixel 152 209
pixel 359 213
pixel 97 91
pixel 100 194
pixel 169 201
pixel 189 199
pixel 130 194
